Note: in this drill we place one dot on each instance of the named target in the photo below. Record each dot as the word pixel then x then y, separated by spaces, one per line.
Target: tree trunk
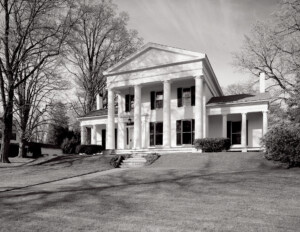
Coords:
pixel 7 129
pixel 22 152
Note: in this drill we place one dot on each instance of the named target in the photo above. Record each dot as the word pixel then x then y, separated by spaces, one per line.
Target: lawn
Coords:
pixel 203 193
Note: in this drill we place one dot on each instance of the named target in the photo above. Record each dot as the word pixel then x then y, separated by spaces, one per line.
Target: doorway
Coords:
pixel 129 136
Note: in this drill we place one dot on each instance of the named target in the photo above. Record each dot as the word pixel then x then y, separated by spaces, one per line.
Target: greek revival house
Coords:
pixel 167 97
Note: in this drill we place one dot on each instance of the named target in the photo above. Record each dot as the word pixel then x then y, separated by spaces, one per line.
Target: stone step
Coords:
pixel 134 162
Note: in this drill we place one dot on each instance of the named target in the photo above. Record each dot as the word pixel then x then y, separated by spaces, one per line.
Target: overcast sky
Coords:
pixel 214 27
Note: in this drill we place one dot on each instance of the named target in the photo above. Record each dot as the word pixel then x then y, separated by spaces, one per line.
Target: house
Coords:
pixel 166 98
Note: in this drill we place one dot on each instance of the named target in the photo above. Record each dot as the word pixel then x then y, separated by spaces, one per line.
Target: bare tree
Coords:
pixel 30 29
pixel 33 98
pixel 274 48
pixel 99 40
pixel 248 87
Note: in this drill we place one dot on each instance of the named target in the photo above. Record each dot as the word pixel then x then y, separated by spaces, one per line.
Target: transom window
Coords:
pixel 185 130
pixel 156 133
pixel 186 96
pixel 157 98
pixel 129 102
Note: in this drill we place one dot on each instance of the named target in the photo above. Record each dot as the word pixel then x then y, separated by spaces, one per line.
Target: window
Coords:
pixel 129 102
pixel 185 130
pixel 234 132
pixel 156 133
pixel 157 99
pixel 186 96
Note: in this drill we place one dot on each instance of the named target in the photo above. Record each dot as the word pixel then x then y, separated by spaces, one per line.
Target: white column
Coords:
pixel 94 134
pixel 110 130
pixel 167 114
pixel 121 123
pixel 137 117
pixel 265 122
pixel 244 131
pixel 224 131
pixel 198 107
pixel 83 135
pixel 204 116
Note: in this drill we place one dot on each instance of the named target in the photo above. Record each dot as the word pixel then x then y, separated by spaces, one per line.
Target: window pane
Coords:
pixel 236 127
pixel 159 127
pixel 178 139
pixel 193 138
pixel 152 140
pixel 159 104
pixel 236 138
pixel 186 138
pixel 178 126
pixel 159 139
pixel 193 125
pixel 186 126
pixel 151 128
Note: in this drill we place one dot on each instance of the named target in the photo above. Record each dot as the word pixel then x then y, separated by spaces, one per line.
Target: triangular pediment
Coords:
pixel 152 55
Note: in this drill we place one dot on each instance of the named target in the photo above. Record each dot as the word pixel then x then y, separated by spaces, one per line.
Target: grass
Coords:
pixel 174 194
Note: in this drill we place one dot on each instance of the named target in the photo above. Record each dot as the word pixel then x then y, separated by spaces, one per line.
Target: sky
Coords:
pixel 214 27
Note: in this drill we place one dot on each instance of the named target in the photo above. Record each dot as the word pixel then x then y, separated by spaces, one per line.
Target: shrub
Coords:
pixel 212 144
pixel 88 149
pixel 282 143
pixel 118 159
pixel 151 158
pixel 13 149
pixel 35 149
pixel 69 145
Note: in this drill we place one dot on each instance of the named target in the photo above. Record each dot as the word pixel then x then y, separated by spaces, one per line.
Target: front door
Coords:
pixel 129 137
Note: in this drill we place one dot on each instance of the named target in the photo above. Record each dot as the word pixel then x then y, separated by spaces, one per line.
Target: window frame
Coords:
pixel 156 134
pixel 180 133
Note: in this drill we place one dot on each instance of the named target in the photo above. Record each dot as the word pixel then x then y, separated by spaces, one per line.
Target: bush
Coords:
pixel 117 160
pixel 151 158
pixel 69 145
pixel 212 144
pixel 13 149
pixel 282 143
pixel 88 149
pixel 35 149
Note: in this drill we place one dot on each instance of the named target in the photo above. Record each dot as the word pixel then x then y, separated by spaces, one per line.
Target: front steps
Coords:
pixel 160 151
pixel 136 161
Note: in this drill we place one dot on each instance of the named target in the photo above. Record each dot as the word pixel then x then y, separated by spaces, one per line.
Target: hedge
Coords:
pixel 13 149
pixel 282 144
pixel 212 144
pixel 88 149
pixel 69 145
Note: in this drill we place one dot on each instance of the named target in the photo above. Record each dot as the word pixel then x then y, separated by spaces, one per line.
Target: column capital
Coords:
pixel 167 81
pixel 200 76
pixel 265 111
pixel 224 114
pixel 244 113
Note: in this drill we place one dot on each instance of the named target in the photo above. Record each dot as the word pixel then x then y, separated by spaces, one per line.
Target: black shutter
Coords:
pixel 152 100
pixel 193 95
pixel 179 97
pixel 229 130
pixel 127 103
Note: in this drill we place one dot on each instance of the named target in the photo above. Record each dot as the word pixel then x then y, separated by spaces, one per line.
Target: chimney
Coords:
pixel 262 82
pixel 99 102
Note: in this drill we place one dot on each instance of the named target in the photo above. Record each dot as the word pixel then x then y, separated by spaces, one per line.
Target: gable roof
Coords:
pixel 239 98
pixel 145 57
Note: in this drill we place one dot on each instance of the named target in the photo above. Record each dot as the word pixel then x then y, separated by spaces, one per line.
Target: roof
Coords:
pixel 239 98
pixel 96 113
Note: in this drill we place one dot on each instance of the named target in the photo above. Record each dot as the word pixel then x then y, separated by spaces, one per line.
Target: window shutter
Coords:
pixel 179 97
pixel 193 95
pixel 152 100
pixel 127 103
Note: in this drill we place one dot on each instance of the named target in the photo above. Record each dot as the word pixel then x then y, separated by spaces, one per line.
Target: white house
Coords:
pixel 167 97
